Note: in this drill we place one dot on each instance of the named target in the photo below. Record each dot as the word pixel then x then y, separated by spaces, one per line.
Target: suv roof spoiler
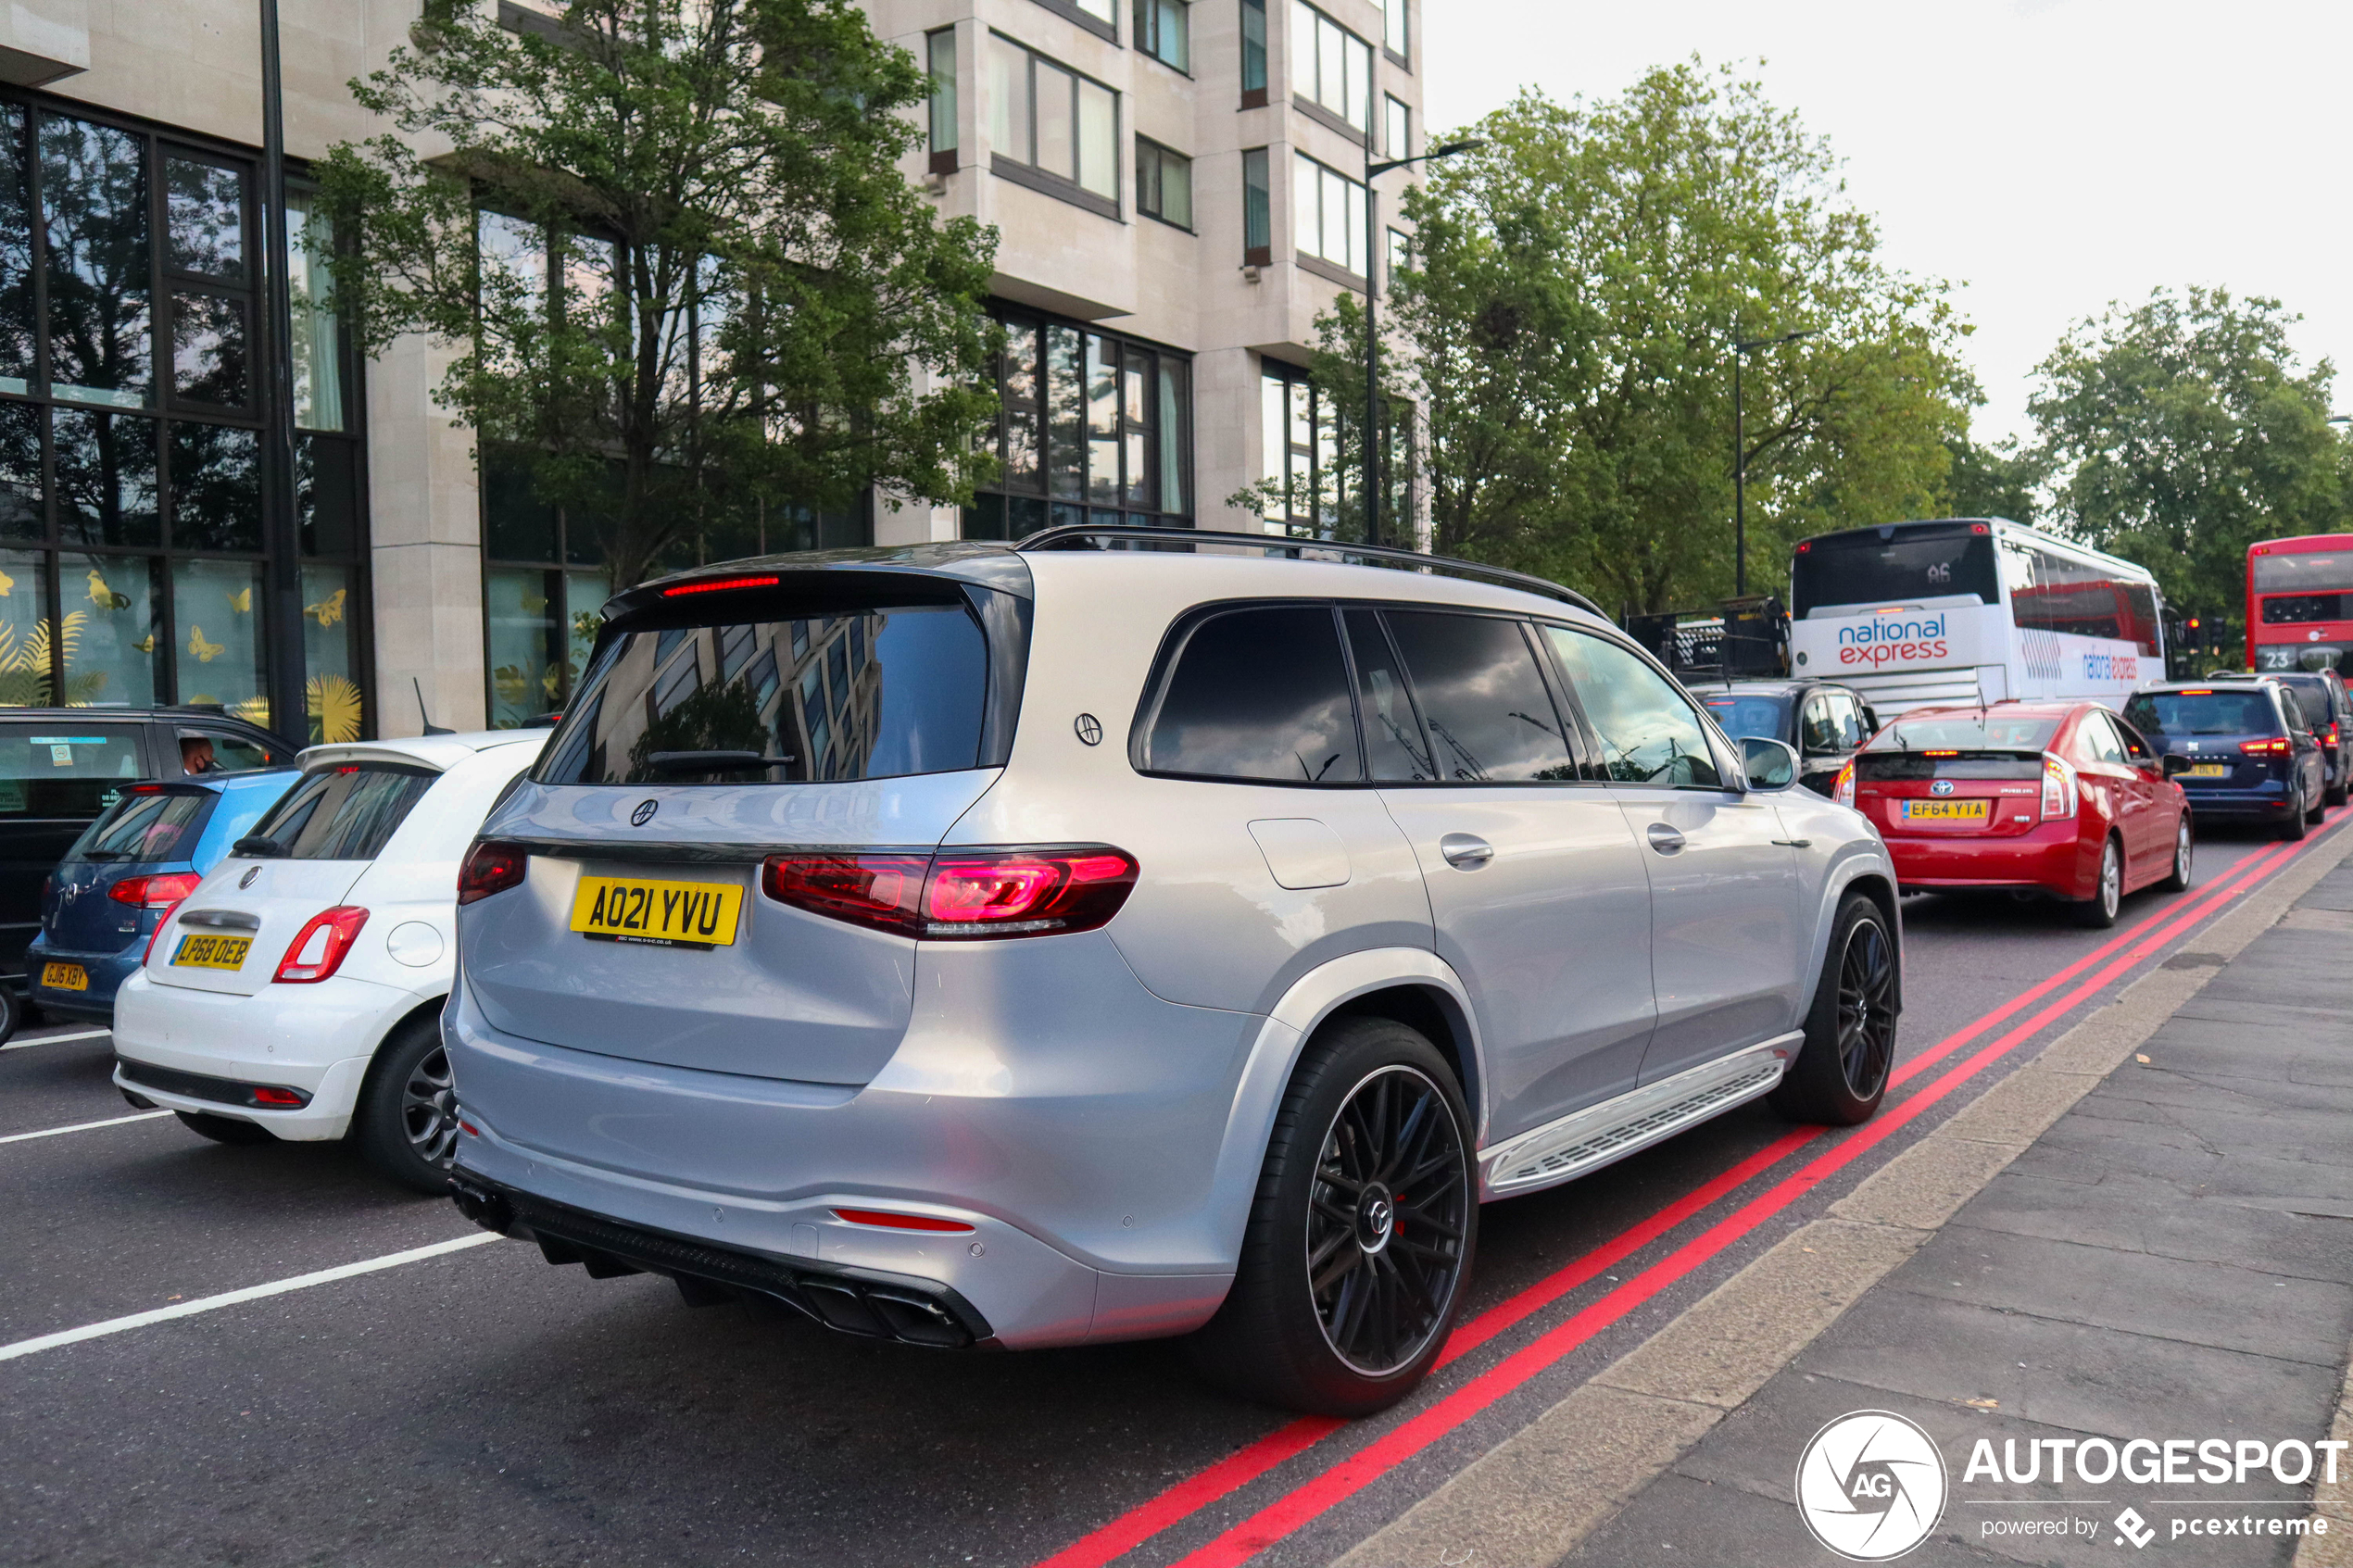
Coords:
pixel 1074 536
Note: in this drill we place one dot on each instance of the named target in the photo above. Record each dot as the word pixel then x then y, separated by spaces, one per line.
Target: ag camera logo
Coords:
pixel 1870 1486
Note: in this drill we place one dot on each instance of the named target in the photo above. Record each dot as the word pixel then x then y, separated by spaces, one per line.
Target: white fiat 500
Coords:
pixel 297 994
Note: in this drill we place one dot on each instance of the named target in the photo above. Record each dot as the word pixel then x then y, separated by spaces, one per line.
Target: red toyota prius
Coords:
pixel 2063 798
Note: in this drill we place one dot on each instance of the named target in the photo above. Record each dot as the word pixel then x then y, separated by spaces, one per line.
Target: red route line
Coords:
pixel 1196 1492
pixel 1321 1492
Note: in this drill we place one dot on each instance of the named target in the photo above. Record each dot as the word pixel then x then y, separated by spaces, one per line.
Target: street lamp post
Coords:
pixel 1372 333
pixel 1741 347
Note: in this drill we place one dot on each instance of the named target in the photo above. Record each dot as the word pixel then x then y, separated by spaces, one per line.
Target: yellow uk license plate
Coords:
pixel 1945 811
pixel 64 977
pixel 2207 771
pixel 211 952
pixel 668 914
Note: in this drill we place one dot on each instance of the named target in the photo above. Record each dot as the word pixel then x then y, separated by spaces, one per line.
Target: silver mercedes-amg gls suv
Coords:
pixel 1126 935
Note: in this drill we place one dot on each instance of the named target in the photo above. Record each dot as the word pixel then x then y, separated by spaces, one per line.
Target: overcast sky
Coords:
pixel 2049 155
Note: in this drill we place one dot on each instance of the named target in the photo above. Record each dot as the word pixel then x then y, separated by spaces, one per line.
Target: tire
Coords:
pixel 2335 794
pixel 405 1123
pixel 224 1129
pixel 2298 823
pixel 2184 851
pixel 2099 911
pixel 1841 1073
pixel 13 1012
pixel 2316 811
pixel 1372 1105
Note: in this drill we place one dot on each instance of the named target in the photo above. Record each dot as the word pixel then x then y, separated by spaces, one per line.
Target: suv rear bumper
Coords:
pixel 1081 1152
pixel 861 1301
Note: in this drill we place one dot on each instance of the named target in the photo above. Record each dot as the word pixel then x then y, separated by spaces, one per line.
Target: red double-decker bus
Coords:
pixel 2299 603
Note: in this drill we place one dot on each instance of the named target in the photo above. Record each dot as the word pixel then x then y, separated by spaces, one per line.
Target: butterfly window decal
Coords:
pixel 242 600
pixel 104 596
pixel 206 652
pixel 329 611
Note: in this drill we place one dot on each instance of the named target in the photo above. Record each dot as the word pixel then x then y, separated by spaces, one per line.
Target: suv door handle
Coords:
pixel 1664 839
pixel 1466 852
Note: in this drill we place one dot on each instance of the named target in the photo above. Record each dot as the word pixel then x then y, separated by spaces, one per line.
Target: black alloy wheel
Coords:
pixel 1362 1233
pixel 1385 1224
pixel 2298 821
pixel 1866 1011
pixel 1841 1073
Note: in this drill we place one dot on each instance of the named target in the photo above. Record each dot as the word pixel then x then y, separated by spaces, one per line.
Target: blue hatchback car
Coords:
pixel 100 908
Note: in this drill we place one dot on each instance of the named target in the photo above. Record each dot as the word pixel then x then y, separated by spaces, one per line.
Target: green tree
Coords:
pixel 754 310
pixel 1569 328
pixel 2183 429
pixel 1995 479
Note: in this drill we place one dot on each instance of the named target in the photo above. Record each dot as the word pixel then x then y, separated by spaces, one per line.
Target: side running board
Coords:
pixel 1588 1139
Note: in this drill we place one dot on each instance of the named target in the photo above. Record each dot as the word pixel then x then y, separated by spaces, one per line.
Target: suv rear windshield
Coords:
pixel 2202 713
pixel 146 828
pixel 347 813
pixel 880 691
pixel 65 768
pixel 1931 562
pixel 1763 717
pixel 1969 732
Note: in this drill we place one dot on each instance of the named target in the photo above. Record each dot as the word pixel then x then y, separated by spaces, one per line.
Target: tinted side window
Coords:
pixel 1258 693
pixel 1849 715
pixel 345 813
pixel 1394 742
pixel 65 768
pixel 1821 731
pixel 2098 743
pixel 1476 679
pixel 2135 747
pixel 1648 731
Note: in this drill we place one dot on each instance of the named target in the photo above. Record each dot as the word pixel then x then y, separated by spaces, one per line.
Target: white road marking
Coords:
pixel 55 1039
pixel 84 1126
pixel 250 1293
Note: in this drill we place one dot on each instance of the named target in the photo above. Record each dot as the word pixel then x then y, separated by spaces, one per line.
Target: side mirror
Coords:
pixel 1769 764
pixel 2176 766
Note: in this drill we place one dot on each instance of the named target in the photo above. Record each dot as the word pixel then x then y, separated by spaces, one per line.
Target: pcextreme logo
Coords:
pixel 1870 1486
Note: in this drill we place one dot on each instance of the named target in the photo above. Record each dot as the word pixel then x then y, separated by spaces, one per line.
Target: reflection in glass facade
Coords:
pixel 136 566
pixel 1092 429
pixel 544 576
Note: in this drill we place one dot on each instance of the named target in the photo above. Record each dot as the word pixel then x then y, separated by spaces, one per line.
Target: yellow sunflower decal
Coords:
pixel 334 703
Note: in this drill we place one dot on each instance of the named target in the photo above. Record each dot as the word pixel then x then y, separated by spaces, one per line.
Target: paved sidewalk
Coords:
pixel 2172 1258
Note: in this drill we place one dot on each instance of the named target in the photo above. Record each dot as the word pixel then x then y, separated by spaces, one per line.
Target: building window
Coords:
pixel 939 50
pixel 1164 30
pixel 544 574
pixel 1328 210
pixel 1258 210
pixel 1330 67
pixel 1307 479
pixel 1050 127
pixel 1400 252
pixel 135 554
pixel 1393 36
pixel 1253 54
pixel 1091 429
pixel 1163 183
pixel 1397 127
pixel 1096 16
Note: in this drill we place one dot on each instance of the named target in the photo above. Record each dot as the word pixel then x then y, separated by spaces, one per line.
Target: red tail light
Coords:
pixel 319 948
pixel 1842 790
pixel 154 891
pixel 2329 734
pixel 2277 746
pixel 2060 793
pixel 490 868
pixel 966 894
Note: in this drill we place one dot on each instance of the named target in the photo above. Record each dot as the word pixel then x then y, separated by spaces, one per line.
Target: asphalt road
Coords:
pixel 481 1407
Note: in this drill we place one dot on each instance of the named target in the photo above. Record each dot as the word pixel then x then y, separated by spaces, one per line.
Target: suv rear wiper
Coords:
pixel 256 847
pixel 709 761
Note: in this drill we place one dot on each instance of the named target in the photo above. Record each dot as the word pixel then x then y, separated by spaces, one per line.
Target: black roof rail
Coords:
pixel 1070 536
